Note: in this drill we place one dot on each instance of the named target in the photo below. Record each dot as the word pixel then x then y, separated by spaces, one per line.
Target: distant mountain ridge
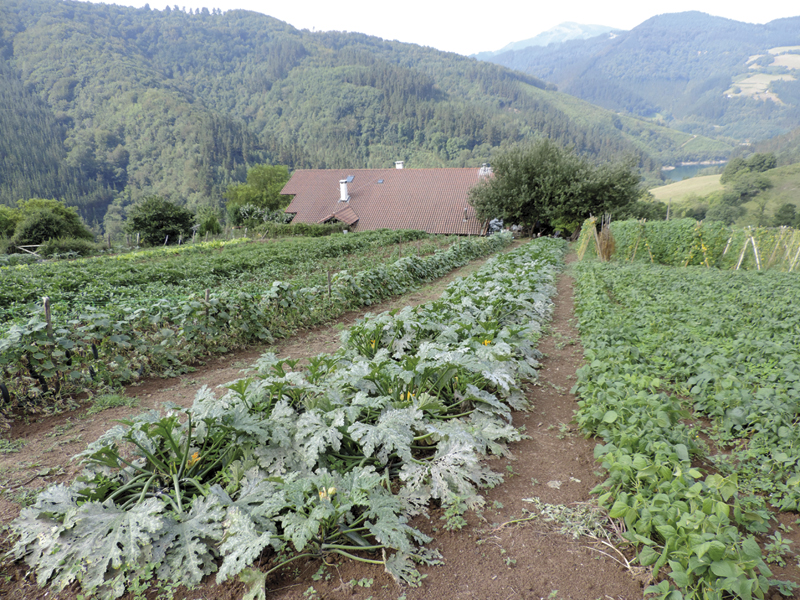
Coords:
pixel 563 32
pixel 692 71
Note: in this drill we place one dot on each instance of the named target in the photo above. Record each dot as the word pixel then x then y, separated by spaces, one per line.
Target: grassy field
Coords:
pixel 698 186
pixel 786 188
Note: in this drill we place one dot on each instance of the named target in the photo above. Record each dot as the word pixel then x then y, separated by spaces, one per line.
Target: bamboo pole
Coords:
pixel 741 256
pixel 775 250
pixel 794 262
pixel 728 245
pixel 755 251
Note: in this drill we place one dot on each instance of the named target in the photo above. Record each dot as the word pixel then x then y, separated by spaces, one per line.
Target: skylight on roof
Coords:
pixel 380 180
pixel 349 179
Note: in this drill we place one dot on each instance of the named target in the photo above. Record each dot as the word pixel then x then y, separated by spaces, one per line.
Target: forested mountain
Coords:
pixel 702 74
pixel 105 103
pixel 785 147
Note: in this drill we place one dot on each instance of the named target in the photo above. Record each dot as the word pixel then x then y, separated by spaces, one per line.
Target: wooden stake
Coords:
pixel 728 245
pixel 329 284
pixel 48 317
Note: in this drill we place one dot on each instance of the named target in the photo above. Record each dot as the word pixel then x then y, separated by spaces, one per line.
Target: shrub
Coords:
pixel 13 260
pixel 209 222
pixel 306 229
pixel 726 214
pixel 44 219
pixel 68 246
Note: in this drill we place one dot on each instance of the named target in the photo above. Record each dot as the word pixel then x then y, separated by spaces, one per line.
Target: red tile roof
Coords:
pixel 345 215
pixel 431 200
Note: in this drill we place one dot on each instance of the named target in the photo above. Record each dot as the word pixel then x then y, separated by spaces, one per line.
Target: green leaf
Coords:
pixel 188 543
pixel 242 544
pixel 610 416
pixel 647 556
pixel 725 568
pixel 256 581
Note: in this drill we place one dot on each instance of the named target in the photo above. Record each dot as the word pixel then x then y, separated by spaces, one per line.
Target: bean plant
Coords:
pixel 692 383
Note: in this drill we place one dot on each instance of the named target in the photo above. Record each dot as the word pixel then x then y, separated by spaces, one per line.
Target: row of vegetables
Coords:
pixel 41 360
pixel 692 383
pixel 332 457
pixel 147 274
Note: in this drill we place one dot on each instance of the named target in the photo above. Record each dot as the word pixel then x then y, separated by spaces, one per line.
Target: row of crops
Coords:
pixel 686 242
pixel 242 263
pixel 692 383
pixel 331 458
pixel 81 348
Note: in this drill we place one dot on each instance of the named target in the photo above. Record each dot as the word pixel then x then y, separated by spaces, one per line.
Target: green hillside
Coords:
pixel 692 71
pixel 698 193
pixel 694 186
pixel 786 187
pixel 115 103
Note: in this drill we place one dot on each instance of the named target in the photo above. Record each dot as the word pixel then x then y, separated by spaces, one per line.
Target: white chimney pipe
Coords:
pixel 398 164
pixel 343 197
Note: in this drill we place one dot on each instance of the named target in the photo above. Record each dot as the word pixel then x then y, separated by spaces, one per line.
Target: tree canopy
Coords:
pixel 159 221
pixel 262 190
pixel 757 163
pixel 547 186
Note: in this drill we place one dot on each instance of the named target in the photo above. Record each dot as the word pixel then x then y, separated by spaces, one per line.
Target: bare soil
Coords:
pixel 489 558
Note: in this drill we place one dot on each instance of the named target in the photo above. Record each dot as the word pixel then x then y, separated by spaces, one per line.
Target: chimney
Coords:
pixel 398 164
pixel 343 195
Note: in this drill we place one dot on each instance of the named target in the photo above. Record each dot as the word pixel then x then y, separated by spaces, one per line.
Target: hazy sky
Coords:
pixel 470 26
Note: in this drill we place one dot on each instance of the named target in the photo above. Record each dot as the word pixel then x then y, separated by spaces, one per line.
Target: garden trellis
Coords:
pixel 686 242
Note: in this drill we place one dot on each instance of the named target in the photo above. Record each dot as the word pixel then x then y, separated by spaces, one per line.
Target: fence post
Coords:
pixel 329 284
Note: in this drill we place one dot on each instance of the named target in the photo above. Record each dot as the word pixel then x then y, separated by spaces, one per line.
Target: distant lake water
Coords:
pixel 681 172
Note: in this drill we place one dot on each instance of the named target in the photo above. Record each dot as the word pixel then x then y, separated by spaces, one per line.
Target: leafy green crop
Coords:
pixel 666 348
pixel 333 458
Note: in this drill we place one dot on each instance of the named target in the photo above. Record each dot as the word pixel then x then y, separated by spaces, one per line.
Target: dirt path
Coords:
pixel 551 473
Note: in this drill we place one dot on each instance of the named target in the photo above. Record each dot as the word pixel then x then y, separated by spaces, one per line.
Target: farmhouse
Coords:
pixel 431 200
